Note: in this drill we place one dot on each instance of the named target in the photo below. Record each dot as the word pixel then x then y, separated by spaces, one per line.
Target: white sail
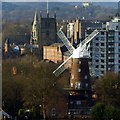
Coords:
pixel 65 41
pixel 80 52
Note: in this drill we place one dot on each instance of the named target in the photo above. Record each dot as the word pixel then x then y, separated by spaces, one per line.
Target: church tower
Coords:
pixel 48 30
pixel 35 31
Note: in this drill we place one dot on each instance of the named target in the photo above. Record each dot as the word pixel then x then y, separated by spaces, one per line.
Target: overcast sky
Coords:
pixel 60 0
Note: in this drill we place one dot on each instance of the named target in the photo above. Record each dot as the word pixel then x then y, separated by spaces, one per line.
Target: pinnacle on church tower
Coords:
pixel 35 31
pixel 119 9
pixel 47 7
pixel 36 16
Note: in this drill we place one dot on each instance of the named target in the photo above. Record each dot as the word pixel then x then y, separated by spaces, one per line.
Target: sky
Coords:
pixel 60 0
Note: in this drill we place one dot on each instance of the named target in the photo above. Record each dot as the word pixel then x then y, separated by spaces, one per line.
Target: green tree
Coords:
pixel 11 88
pixel 21 113
pixel 108 89
pixel 17 33
pixel 116 114
pixel 28 83
pixel 98 111
pixel 109 113
pixel 105 112
pixel 41 85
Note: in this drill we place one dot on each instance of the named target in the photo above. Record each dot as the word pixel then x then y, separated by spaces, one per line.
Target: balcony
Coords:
pixel 110 63
pixel 110 51
pixel 111 46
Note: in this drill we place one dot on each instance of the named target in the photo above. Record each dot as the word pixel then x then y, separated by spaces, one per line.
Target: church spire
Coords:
pixel 36 16
pixel 35 30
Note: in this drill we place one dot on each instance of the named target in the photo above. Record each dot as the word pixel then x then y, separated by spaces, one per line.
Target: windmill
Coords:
pixel 81 52
pixel 80 87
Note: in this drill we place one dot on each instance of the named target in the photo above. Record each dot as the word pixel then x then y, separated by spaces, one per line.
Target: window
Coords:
pixel 102 38
pixel 96 55
pixel 111 49
pixel 85 77
pixel 102 44
pixel 78 102
pixel 111 38
pixel 102 50
pixel 111 43
pixel 111 32
pixel 97 66
pixel 71 102
pixel 97 49
pixel 102 72
pixel 97 38
pixel 116 27
pixel 71 84
pixel 102 61
pixel 79 70
pixel 97 72
pixel 102 55
pixel 79 62
pixel 102 33
pixel 77 85
pixel 86 85
pixel 97 61
pixel 97 44
pixel 111 60
pixel 72 76
pixel 102 66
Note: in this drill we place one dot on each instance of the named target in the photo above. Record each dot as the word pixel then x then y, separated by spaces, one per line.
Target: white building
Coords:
pixel 105 49
pixel 70 29
pixel 86 4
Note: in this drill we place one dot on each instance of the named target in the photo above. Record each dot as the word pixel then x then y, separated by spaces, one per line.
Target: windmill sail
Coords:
pixel 61 68
pixel 82 50
pixel 65 41
pixel 75 53
pixel 87 40
pixel 90 37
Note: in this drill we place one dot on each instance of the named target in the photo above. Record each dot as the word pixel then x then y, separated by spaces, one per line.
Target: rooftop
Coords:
pixel 116 19
pixel 57 45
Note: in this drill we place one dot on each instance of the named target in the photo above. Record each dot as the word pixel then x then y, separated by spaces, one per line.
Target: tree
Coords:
pixel 98 111
pixel 28 83
pixel 17 33
pixel 109 112
pixel 105 112
pixel 108 89
pixel 11 88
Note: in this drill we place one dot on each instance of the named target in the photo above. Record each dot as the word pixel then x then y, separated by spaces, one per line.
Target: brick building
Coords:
pixel 53 52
